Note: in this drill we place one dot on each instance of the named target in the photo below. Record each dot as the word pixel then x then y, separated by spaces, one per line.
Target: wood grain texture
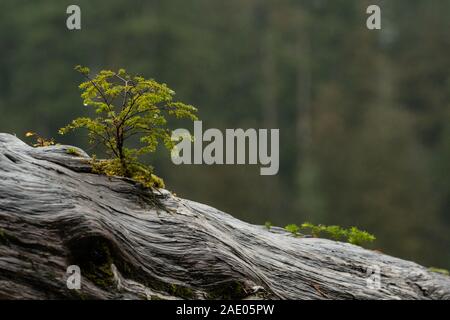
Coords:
pixel 55 213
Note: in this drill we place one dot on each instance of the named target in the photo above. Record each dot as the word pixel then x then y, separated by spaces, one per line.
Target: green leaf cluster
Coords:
pixel 268 225
pixel 292 228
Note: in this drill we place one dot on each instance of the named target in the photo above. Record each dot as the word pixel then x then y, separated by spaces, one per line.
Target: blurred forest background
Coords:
pixel 363 115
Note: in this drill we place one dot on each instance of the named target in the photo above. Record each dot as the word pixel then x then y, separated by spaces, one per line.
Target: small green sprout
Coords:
pixel 357 237
pixel 292 228
pixel 314 229
pixel 335 232
pixel 73 151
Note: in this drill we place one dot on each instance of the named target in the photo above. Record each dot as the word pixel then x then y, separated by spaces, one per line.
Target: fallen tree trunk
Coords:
pixel 55 213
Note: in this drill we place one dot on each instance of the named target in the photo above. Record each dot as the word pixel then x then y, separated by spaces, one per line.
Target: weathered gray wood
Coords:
pixel 54 213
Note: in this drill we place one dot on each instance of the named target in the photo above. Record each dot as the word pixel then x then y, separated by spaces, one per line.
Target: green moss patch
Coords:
pixel 73 152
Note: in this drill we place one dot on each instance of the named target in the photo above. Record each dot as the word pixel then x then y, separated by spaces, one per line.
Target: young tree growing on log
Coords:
pixel 128 106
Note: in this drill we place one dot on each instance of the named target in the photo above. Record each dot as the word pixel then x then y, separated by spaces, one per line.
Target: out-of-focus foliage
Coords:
pixel 363 115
